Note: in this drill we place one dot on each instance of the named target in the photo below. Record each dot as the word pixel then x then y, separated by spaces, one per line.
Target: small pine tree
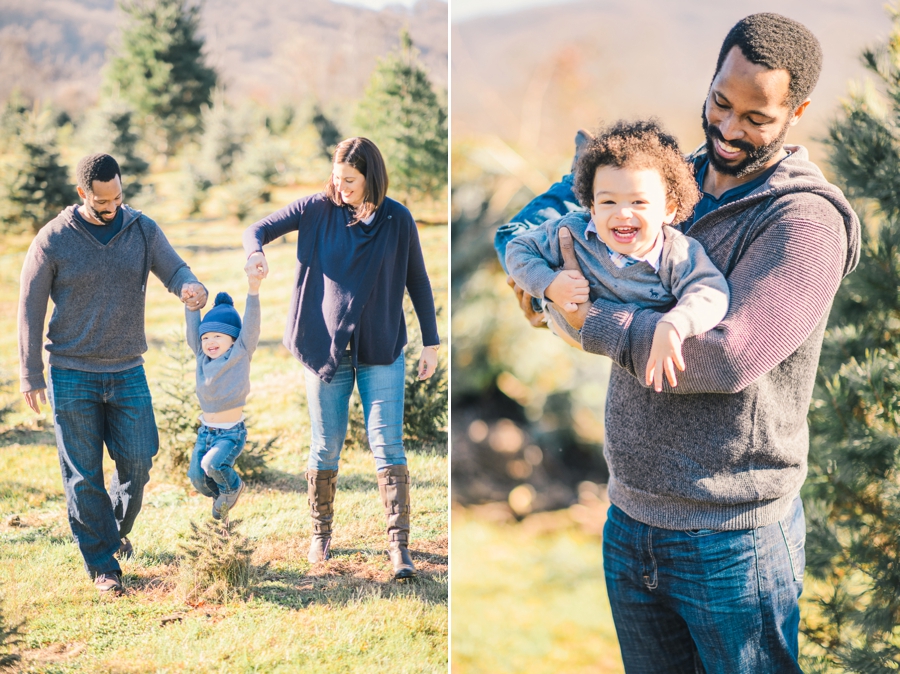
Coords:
pixel 34 184
pixel 111 129
pixel 160 68
pixel 852 495
pixel 216 561
pixel 329 134
pixel 177 410
pixel 402 115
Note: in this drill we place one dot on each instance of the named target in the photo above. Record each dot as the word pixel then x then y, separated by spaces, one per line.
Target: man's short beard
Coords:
pixel 96 214
pixel 755 159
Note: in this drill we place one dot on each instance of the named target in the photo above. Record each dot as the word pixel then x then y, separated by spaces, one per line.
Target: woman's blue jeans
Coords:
pixel 212 461
pixel 91 409
pixel 714 602
pixel 381 391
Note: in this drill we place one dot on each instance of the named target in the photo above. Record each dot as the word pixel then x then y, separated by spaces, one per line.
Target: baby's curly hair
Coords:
pixel 638 145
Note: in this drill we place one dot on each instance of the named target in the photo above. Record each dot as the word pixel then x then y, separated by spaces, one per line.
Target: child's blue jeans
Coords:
pixel 212 462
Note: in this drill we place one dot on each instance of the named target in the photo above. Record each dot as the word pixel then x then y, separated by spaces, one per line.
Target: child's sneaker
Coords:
pixel 226 501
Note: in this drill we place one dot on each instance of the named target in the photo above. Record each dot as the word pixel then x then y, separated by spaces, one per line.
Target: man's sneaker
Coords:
pixel 108 583
pixel 126 550
pixel 226 501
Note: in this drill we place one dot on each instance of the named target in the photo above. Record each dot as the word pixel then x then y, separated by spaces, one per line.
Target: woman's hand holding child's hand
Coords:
pixel 256 272
pixel 665 356
pixel 568 290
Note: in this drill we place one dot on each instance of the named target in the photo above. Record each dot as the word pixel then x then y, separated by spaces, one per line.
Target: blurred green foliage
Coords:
pixel 852 495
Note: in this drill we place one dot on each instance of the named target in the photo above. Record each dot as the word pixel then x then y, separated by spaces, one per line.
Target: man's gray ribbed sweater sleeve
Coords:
pixel 781 288
pixel 34 283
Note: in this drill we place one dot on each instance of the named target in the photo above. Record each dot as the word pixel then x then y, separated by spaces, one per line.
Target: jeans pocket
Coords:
pixel 700 533
pixel 793 530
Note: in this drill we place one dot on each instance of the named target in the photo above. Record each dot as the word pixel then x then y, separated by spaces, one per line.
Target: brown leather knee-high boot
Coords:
pixel 393 485
pixel 321 487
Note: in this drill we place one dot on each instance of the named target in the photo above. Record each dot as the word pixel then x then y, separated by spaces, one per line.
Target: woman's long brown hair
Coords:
pixel 363 155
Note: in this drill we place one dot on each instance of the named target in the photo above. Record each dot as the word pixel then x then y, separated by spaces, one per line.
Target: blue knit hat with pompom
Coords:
pixel 223 317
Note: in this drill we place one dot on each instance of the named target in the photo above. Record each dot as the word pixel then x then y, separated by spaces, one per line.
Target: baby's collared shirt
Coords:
pixel 653 258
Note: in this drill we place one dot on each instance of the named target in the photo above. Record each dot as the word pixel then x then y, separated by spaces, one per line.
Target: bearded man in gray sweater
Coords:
pixel 704 542
pixel 93 261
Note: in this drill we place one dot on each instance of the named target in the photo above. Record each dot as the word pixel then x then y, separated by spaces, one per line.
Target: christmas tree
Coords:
pixel 402 115
pixel 852 495
pixel 160 68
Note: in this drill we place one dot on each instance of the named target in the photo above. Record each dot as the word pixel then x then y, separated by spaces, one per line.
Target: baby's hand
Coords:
pixel 568 290
pixel 665 356
pixel 254 278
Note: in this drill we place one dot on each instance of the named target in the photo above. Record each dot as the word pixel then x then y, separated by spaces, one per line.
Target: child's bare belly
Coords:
pixel 224 417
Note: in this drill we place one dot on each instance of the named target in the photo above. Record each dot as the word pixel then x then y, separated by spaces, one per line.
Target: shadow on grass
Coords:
pixel 352 576
pixel 23 435
pixel 26 497
pixel 277 480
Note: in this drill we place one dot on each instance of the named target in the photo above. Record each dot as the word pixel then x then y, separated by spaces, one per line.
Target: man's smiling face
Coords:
pixel 747 116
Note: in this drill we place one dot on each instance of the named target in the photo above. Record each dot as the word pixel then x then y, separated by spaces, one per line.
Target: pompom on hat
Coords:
pixel 223 317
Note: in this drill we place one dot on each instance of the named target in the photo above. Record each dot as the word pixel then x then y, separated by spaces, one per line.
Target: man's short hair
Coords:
pixel 99 167
pixel 639 145
pixel 778 43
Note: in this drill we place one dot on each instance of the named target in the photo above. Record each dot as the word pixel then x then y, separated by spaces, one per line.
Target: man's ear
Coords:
pixel 798 113
pixel 80 191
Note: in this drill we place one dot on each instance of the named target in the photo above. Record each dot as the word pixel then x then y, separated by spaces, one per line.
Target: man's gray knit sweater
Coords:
pixel 97 291
pixel 685 274
pixel 727 448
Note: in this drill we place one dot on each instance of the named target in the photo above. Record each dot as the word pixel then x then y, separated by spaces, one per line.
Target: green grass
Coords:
pixel 347 615
pixel 529 598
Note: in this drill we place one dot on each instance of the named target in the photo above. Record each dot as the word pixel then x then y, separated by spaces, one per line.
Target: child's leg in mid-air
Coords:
pixel 218 462
pixel 201 481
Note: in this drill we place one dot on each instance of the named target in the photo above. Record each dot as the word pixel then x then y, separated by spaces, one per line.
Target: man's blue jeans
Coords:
pixel 716 602
pixel 91 409
pixel 381 391
pixel 212 461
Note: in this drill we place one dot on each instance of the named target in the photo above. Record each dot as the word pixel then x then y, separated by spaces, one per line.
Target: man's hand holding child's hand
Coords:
pixel 194 296
pixel 665 356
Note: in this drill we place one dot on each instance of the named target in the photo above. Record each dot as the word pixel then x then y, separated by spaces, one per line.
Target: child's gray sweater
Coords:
pixel 223 383
pixel 685 275
pixel 97 291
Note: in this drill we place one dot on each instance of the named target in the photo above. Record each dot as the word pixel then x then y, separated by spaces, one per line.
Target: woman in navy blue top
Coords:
pixel 357 251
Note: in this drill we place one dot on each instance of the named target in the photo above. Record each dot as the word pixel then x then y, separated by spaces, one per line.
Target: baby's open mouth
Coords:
pixel 624 234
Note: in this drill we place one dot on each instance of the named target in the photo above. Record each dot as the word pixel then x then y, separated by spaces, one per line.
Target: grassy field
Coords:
pixel 529 597
pixel 343 616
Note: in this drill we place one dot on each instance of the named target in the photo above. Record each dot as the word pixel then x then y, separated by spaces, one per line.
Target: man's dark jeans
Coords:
pixel 705 601
pixel 90 409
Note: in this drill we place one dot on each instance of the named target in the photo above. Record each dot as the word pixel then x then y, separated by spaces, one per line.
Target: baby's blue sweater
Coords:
pixel 223 383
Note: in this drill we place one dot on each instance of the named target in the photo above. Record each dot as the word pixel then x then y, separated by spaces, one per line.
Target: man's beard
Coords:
pixel 755 157
pixel 97 214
